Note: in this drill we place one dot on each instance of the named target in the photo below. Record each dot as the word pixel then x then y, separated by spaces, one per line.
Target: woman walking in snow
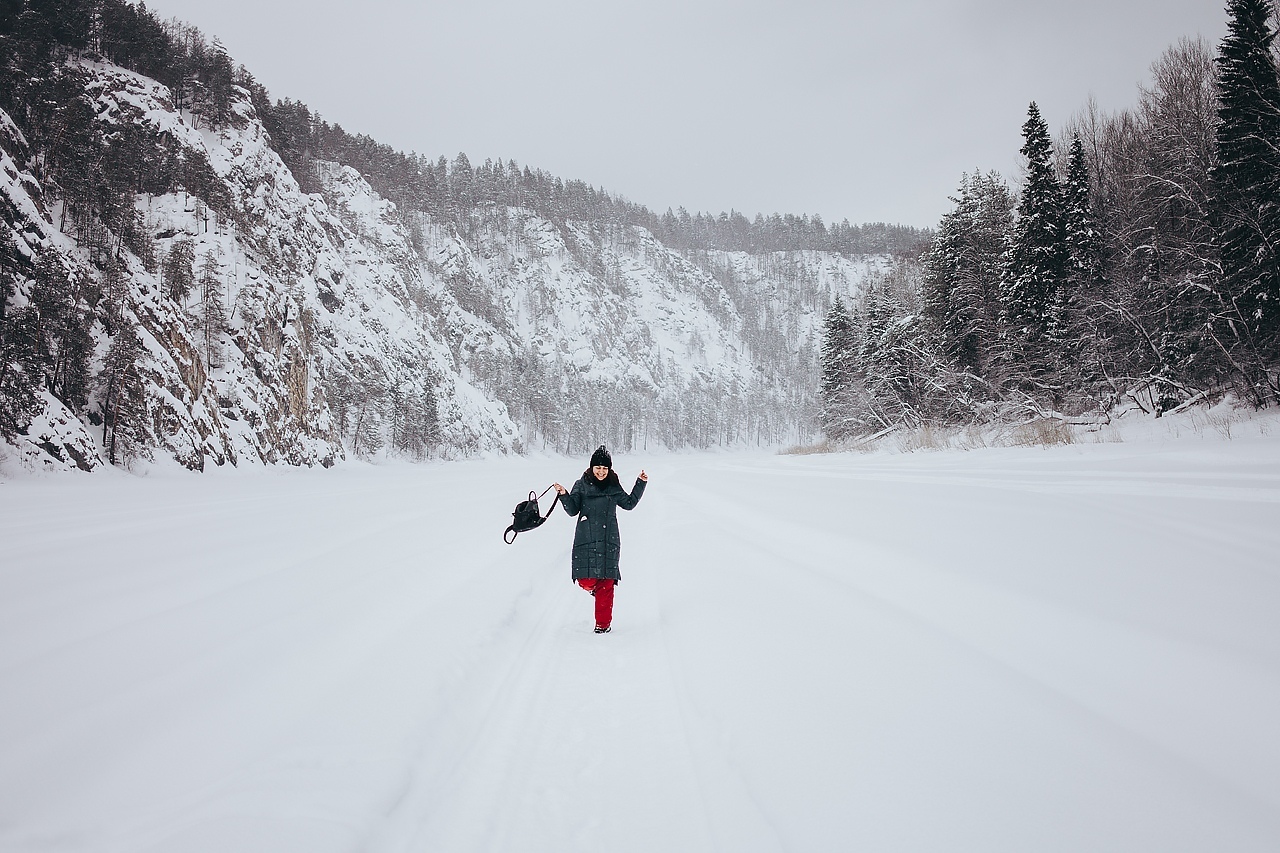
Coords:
pixel 595 542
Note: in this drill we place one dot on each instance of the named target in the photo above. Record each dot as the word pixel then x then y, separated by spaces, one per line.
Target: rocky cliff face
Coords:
pixel 321 325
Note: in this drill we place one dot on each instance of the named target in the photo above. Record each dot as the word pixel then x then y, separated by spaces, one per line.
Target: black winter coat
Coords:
pixel 596 545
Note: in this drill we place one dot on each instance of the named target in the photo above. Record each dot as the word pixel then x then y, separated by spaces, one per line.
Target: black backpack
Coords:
pixel 527 515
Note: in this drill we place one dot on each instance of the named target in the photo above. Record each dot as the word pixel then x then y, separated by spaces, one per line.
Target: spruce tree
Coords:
pixel 212 317
pixel 178 270
pixel 19 363
pixel 1246 181
pixel 62 325
pixel 1081 281
pixel 895 364
pixel 838 351
pixel 125 413
pixel 1080 230
pixel 1036 261
pixel 962 270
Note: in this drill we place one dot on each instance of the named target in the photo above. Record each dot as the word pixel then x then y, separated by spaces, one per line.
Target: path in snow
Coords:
pixel 1072 649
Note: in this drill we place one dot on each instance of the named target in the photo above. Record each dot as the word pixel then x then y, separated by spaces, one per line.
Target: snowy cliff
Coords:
pixel 307 327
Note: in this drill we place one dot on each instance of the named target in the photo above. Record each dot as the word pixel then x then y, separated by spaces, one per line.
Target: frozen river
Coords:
pixel 1070 649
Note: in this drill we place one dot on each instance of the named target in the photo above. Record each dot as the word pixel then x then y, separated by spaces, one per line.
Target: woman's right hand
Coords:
pixel 559 489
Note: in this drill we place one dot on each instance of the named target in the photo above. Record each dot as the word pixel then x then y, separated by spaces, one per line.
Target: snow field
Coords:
pixel 1008 649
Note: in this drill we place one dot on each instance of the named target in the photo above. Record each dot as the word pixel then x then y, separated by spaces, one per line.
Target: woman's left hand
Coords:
pixel 644 476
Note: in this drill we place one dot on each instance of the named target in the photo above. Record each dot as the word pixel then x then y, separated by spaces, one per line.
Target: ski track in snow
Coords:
pixel 1065 649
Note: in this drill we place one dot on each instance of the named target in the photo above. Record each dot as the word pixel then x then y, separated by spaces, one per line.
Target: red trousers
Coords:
pixel 602 589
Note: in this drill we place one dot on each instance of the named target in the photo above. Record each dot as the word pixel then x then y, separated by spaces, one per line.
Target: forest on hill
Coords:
pixel 168 282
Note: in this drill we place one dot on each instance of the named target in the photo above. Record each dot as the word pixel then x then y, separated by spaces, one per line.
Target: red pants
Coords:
pixel 602 589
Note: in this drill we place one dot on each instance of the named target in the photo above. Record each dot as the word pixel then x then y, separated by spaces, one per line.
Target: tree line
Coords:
pixel 1140 261
pixel 456 192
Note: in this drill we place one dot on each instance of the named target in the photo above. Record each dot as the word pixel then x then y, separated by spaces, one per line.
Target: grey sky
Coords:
pixel 869 111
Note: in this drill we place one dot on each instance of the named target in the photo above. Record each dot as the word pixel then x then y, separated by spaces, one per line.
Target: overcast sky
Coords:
pixel 862 110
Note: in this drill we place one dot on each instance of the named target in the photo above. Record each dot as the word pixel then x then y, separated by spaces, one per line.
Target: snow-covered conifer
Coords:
pixel 124 401
pixel 63 318
pixel 962 269
pixel 178 270
pixel 212 311
pixel 1246 180
pixel 413 419
pixel 837 364
pixel 1071 331
pixel 1080 231
pixel 1036 259
pixel 18 356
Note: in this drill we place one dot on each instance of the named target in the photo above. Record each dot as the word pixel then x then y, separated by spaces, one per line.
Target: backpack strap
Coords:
pixel 554 501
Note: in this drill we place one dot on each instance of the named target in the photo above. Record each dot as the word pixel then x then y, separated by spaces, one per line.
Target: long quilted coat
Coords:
pixel 595 543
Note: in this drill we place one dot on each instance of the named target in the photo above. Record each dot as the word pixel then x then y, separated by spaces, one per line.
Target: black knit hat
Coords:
pixel 601 457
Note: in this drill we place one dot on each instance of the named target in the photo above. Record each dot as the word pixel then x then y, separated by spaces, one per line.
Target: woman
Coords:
pixel 595 543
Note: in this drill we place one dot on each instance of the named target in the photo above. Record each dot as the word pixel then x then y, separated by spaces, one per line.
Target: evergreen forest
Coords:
pixel 1137 264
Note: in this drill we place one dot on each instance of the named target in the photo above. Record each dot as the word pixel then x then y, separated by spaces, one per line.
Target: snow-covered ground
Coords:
pixel 1072 649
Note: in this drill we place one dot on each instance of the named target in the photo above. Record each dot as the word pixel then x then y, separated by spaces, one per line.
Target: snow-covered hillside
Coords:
pixel 337 329
pixel 319 295
pixel 605 334
pixel 1004 650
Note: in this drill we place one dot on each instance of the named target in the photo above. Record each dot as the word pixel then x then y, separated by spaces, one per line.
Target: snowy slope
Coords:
pixel 341 261
pixel 322 293
pixel 1003 650
pixel 696 349
pixel 518 333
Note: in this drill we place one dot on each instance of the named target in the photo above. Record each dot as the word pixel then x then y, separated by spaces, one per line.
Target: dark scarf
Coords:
pixel 611 480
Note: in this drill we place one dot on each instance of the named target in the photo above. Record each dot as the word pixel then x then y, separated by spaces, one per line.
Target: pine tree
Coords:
pixel 62 326
pixel 1080 230
pixel 414 420
pixel 364 414
pixel 1081 280
pixel 1246 180
pixel 18 351
pixel 894 367
pixel 178 270
pixel 1036 260
pixel 220 76
pixel 962 272
pixel 124 402
pixel 838 350
pixel 115 294
pixel 212 316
